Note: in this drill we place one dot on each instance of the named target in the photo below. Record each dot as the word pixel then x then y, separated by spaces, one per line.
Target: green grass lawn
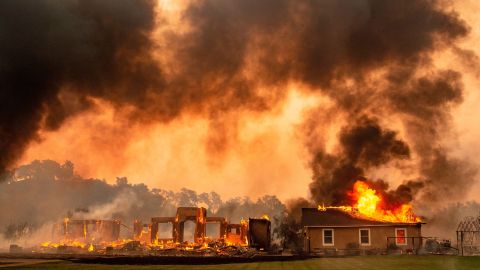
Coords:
pixel 355 263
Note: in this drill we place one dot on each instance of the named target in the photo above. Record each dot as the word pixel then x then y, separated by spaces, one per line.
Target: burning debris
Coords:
pixel 88 230
pixel 102 236
pixel 236 234
pixel 83 235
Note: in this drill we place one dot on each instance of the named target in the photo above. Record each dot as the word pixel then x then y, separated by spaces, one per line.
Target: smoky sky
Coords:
pixel 58 55
pixel 88 48
pixel 65 194
pixel 364 145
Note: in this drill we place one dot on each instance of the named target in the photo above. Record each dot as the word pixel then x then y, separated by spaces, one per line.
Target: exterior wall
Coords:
pixel 349 237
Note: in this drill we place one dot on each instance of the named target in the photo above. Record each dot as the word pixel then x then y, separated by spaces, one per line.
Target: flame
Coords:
pixel 65 242
pixel 366 198
pixel 368 203
pixel 90 248
pixel 266 217
pixel 371 204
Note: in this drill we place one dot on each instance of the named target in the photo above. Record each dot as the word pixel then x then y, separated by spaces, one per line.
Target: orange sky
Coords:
pixel 267 152
pixel 265 157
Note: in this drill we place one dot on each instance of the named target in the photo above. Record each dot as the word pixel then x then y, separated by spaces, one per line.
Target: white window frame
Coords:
pixel 396 237
pixel 360 237
pixel 323 237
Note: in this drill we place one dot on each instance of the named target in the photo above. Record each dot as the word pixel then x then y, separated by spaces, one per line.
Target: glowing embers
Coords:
pixel 88 230
pixel 368 203
pixel 102 236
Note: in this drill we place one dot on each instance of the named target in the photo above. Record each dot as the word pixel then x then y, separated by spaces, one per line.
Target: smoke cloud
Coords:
pixel 364 145
pixel 66 194
pixel 57 55
pixel 373 60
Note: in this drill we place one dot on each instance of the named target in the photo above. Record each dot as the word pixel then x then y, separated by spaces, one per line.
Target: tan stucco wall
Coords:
pixel 344 236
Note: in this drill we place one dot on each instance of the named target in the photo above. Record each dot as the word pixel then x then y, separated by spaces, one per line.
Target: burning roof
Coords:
pixel 369 205
pixel 337 217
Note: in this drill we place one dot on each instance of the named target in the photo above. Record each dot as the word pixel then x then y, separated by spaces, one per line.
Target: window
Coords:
pixel 364 235
pixel 401 237
pixel 328 237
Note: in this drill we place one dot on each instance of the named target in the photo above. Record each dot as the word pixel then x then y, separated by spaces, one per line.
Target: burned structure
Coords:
pixel 89 230
pixel 223 225
pixel 254 233
pixel 336 231
pixel 197 215
pixel 259 235
pixel 236 234
pixel 103 236
pixel 468 236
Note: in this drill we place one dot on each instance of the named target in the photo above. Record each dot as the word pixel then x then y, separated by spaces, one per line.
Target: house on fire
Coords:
pixel 333 231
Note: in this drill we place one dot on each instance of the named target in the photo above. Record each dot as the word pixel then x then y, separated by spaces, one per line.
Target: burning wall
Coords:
pixel 230 234
pixel 102 236
pixel 197 215
pixel 92 231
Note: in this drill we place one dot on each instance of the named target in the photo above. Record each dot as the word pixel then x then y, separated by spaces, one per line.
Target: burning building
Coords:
pixel 336 229
pixel 103 236
pixel 88 230
pixel 197 215
pixel 367 226
pixel 229 233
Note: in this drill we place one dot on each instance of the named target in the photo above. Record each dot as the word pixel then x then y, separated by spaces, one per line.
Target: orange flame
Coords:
pixel 370 204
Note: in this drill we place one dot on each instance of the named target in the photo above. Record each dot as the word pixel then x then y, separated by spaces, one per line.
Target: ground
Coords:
pixel 354 263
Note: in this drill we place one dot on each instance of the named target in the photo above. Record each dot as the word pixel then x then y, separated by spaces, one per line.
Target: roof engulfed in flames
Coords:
pixel 367 203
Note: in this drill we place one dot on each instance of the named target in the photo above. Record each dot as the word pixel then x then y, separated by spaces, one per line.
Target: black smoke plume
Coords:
pixel 57 55
pixel 362 145
pixel 371 58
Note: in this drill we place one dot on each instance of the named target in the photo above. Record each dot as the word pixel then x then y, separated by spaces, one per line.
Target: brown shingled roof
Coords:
pixel 340 218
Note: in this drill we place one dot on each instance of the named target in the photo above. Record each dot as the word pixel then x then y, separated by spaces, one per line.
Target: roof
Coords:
pixel 312 217
pixel 469 224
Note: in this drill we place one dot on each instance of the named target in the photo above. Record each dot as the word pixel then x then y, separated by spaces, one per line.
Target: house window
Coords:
pixel 328 237
pixel 401 236
pixel 364 235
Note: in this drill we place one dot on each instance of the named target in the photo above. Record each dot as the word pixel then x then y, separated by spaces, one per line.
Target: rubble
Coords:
pixel 101 237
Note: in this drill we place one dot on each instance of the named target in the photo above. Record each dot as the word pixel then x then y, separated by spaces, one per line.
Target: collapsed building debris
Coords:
pixel 103 236
pixel 237 234
pixel 222 228
pixel 90 230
